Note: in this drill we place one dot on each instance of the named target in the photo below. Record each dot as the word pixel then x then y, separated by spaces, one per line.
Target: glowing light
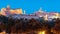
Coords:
pixel 41 32
pixel 3 32
pixel 46 17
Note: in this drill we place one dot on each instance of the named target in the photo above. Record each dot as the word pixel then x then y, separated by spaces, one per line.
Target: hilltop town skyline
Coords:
pixel 21 11
pixel 40 13
pixel 31 6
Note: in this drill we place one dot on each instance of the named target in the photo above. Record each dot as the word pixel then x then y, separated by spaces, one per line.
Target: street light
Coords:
pixel 41 32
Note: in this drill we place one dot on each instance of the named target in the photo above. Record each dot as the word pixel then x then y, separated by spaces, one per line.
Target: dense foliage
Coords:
pixel 24 25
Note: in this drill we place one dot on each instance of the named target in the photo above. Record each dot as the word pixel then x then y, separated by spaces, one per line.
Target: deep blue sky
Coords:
pixel 32 5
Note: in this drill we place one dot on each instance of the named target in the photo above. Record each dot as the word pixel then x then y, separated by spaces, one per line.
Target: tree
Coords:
pixel 57 25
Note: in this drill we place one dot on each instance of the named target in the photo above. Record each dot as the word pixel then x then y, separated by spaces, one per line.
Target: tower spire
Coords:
pixel 8 6
pixel 24 12
pixel 40 10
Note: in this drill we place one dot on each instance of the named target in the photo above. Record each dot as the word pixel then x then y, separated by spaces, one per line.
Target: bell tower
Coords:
pixel 8 10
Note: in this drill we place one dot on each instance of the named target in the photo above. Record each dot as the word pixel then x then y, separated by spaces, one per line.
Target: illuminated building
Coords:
pixel 53 15
pixel 7 11
pixel 46 17
pixel 3 11
pixel 40 13
pixel 16 11
pixel 13 11
pixel 57 15
pixel 19 11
